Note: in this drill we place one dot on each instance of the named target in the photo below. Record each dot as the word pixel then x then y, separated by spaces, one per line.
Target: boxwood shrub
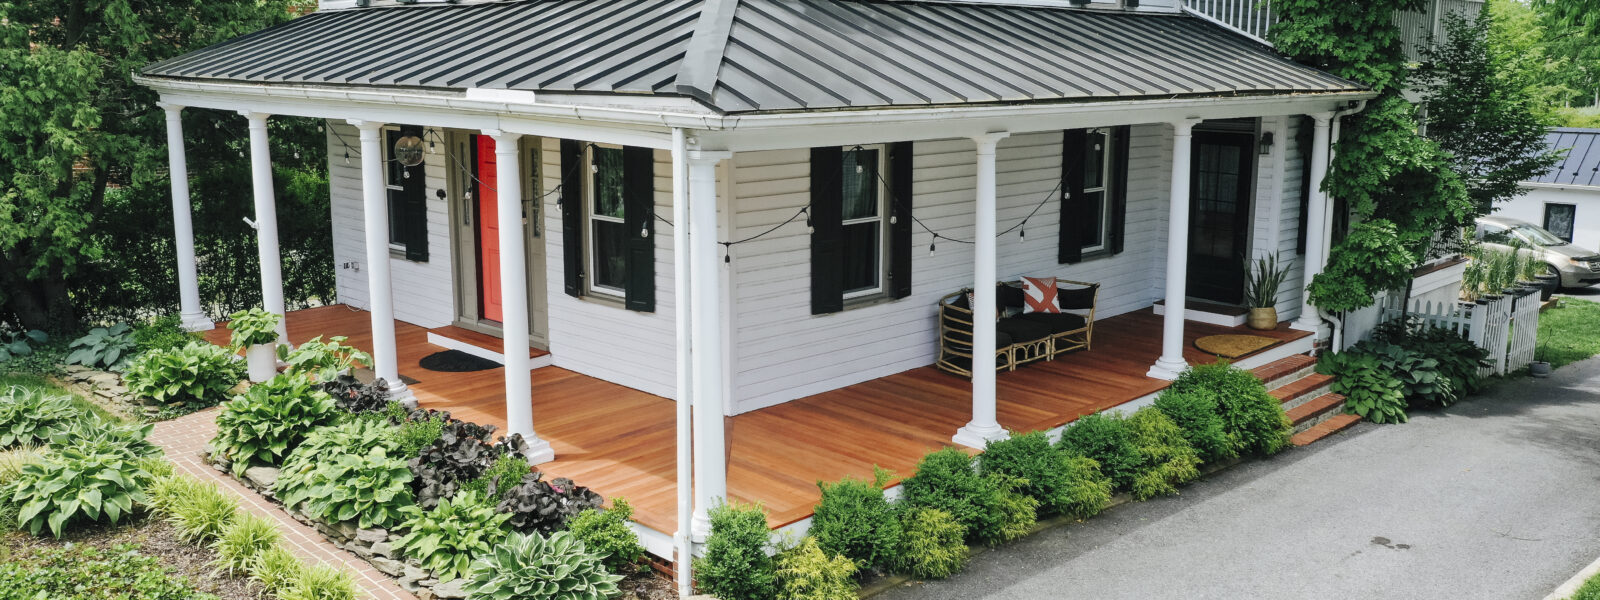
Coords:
pixel 855 520
pixel 1252 418
pixel 1195 411
pixel 932 543
pixel 1106 439
pixel 735 565
pixel 1167 458
pixel 607 534
pixel 1063 482
pixel 990 507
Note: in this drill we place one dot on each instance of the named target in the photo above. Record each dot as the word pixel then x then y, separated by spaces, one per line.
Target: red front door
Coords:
pixel 488 230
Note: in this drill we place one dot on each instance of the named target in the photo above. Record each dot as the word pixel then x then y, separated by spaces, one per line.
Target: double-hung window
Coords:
pixel 1094 177
pixel 1096 189
pixel 607 230
pixel 407 196
pixel 393 178
pixel 864 209
pixel 860 216
pixel 607 205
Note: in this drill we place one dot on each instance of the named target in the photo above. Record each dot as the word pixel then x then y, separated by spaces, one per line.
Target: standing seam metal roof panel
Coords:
pixel 1581 165
pixel 779 55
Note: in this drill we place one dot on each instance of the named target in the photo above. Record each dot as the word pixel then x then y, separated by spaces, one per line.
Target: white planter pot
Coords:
pixel 263 362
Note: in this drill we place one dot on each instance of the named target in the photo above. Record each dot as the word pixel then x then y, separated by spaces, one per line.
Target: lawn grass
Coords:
pixel 1589 591
pixel 1570 333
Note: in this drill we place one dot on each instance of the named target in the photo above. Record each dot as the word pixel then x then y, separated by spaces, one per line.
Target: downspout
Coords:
pixel 680 293
pixel 1335 323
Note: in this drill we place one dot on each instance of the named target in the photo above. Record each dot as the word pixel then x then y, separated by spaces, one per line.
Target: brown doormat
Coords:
pixel 1234 346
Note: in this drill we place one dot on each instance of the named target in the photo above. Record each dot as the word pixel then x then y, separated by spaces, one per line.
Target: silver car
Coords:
pixel 1578 267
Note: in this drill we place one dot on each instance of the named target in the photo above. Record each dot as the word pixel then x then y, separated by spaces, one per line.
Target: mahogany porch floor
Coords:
pixel 620 441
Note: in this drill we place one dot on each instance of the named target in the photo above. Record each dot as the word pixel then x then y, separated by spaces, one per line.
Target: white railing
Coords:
pixel 1506 326
pixel 1255 18
pixel 1251 17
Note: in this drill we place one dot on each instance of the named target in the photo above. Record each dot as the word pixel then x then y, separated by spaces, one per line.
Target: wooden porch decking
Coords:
pixel 620 441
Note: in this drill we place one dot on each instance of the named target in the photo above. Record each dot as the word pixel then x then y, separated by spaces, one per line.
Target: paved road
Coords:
pixel 1496 498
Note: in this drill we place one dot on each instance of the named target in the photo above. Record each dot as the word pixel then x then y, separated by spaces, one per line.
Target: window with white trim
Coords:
pixel 865 204
pixel 607 231
pixel 1096 198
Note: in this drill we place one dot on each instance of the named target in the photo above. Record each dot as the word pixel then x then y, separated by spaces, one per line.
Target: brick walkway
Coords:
pixel 185 438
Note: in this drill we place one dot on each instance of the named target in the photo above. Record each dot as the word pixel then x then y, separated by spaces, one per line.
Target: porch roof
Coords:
pixel 750 56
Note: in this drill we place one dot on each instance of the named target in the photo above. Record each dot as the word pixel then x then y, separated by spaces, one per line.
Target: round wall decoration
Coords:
pixel 408 151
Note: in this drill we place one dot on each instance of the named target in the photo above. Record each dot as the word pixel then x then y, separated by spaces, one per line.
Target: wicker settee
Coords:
pixel 1020 338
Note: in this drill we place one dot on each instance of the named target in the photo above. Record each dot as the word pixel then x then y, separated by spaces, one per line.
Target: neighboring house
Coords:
pixel 755 205
pixel 1566 199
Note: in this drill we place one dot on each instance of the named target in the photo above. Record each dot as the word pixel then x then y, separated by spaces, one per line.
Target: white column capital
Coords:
pixel 1185 126
pixel 1322 119
pixel 366 126
pixel 503 139
pixel 712 157
pixel 257 119
pixel 171 107
pixel 988 141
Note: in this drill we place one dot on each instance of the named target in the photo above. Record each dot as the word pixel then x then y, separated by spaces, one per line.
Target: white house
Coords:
pixel 1566 199
pixel 754 206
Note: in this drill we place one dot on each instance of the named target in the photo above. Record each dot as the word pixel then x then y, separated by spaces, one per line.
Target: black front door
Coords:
pixel 1219 215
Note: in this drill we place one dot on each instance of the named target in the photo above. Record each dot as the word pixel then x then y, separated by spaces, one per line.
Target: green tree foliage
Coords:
pixel 1356 42
pixel 85 217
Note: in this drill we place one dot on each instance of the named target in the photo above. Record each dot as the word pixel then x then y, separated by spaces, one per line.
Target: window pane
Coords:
pixel 860 184
pixel 1094 154
pixel 391 167
pixel 1558 219
pixel 861 248
pixel 397 213
pixel 608 182
pixel 609 266
pixel 1093 229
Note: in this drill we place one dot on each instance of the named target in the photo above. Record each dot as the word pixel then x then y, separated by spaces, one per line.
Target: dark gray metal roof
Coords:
pixel 763 55
pixel 1581 165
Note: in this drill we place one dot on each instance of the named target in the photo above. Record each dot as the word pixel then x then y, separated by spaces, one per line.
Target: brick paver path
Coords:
pixel 185 438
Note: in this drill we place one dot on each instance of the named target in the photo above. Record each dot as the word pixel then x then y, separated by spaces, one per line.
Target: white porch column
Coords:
pixel 514 296
pixel 1171 362
pixel 266 222
pixel 1316 221
pixel 983 427
pixel 189 311
pixel 380 291
pixel 710 451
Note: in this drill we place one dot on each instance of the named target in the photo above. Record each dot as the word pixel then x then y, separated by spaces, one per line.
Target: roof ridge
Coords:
pixel 702 56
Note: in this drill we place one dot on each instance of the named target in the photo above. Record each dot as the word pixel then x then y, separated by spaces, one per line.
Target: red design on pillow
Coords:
pixel 1039 295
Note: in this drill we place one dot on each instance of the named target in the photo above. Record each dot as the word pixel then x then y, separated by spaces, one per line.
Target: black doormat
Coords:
pixel 456 361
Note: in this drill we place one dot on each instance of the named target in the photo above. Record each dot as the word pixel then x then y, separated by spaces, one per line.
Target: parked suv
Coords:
pixel 1578 267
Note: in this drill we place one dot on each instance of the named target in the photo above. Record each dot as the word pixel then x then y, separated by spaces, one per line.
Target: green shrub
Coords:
pixel 102 347
pixel 198 375
pixel 324 360
pixel 990 507
pixel 84 572
pixel 607 534
pixel 369 489
pixel 243 540
pixel 164 333
pixel 1196 413
pixel 29 416
pixel 1253 419
pixel 735 565
pixel 413 436
pixel 1168 459
pixel 253 327
pixel 17 344
pixel 269 420
pixel 1062 482
pixel 446 538
pixel 506 472
pixel 1105 438
pixel 806 572
pixel 71 485
pixel 276 569
pixel 101 435
pixel 932 543
pixel 321 582
pixel 533 567
pixel 855 520
pixel 1370 390
pixel 202 512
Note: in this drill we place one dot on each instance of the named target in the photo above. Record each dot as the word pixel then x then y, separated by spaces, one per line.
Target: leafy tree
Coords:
pixel 1520 42
pixel 83 171
pixel 1481 114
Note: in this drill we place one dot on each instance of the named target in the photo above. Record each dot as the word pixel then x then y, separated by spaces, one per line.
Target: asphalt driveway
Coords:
pixel 1497 497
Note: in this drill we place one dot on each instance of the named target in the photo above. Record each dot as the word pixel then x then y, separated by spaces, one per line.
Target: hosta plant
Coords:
pixel 29 416
pixel 546 506
pixel 70 485
pixel 324 361
pixel 100 435
pixel 198 374
pixel 447 538
pixel 534 567
pixel 1369 389
pixel 355 436
pixel 20 343
pixel 252 327
pixel 268 420
pixel 369 489
pixel 102 347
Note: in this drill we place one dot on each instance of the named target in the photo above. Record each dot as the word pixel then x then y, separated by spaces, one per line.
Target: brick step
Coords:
pixel 1315 411
pixel 1333 425
pixel 1286 370
pixel 1303 390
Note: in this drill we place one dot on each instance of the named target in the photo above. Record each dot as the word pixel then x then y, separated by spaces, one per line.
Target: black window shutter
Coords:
pixel 827 231
pixel 572 177
pixel 638 197
pixel 1070 242
pixel 414 201
pixel 1303 142
pixel 900 165
pixel 1120 139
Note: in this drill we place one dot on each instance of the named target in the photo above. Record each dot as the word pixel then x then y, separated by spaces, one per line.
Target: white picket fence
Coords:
pixel 1507 326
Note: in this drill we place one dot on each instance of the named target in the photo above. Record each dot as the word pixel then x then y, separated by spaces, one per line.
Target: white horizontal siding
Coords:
pixel 1276 222
pixel 423 291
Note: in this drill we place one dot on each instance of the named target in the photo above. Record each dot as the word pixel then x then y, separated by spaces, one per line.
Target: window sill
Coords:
pixel 865 301
pixel 605 299
pixel 400 253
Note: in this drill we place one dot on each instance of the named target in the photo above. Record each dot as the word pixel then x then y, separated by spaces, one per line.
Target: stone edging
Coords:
pixel 105 389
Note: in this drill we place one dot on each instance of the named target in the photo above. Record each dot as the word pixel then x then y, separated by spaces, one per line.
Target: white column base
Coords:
pixel 978 436
pixel 699 529
pixel 1303 324
pixel 539 451
pixel 1167 370
pixel 400 392
pixel 196 322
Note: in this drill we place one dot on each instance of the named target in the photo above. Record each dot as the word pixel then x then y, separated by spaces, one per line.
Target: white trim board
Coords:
pixel 484 353
pixel 1201 316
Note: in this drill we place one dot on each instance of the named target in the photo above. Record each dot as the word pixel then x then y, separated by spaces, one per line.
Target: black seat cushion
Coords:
pixel 1076 298
pixel 1056 322
pixel 1010 298
pixel 1023 330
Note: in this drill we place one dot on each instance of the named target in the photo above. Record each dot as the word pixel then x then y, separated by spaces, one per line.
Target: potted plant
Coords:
pixel 1472 280
pixel 256 331
pixel 1541 276
pixel 1539 367
pixel 1261 292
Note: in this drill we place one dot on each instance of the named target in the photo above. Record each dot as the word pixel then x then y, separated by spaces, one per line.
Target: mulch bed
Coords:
pixel 156 538
pixel 646 584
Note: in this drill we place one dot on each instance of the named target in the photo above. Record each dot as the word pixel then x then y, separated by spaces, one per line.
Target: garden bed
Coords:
pixel 151 537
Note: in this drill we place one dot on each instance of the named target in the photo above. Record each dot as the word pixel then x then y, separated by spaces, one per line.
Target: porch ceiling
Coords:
pixel 762 56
